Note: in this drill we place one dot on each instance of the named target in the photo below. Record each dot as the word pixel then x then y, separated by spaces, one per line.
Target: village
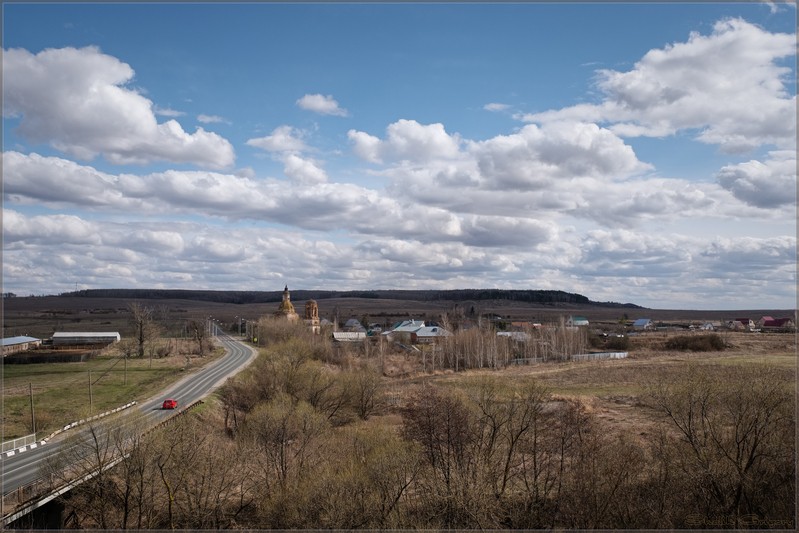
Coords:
pixel 415 333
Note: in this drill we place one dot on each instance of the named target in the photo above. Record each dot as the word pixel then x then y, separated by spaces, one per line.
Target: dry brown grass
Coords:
pixel 612 389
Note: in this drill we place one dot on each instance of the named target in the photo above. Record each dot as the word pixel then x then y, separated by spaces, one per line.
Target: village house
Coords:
pixel 778 324
pixel 741 324
pixel 428 334
pixel 576 321
pixel 402 331
pixel 349 336
pixel 353 324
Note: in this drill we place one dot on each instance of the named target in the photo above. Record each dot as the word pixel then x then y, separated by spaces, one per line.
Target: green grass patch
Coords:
pixel 61 390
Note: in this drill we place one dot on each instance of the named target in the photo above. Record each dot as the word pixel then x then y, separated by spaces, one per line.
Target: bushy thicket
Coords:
pixel 710 342
pixel 611 342
pixel 298 444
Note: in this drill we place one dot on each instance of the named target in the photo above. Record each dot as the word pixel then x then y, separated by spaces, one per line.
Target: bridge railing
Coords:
pixel 18 497
pixel 26 495
pixel 19 442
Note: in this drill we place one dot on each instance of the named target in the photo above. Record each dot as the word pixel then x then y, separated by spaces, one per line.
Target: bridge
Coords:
pixel 26 500
pixel 27 494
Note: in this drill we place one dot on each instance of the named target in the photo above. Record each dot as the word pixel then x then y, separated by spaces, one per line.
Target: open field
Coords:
pixel 611 386
pixel 61 392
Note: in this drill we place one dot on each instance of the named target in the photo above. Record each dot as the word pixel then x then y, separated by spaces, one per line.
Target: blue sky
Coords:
pixel 638 153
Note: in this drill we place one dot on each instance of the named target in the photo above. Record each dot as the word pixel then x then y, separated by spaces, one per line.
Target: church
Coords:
pixel 286 310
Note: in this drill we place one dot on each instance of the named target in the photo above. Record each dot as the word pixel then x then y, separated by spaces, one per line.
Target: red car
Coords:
pixel 170 404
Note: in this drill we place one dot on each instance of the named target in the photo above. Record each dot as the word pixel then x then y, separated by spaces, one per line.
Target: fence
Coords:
pixel 599 355
pixel 19 442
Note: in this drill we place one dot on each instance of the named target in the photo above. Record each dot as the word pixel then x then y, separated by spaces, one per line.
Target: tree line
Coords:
pixel 247 297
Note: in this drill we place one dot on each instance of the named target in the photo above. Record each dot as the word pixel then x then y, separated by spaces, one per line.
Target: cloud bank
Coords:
pixel 560 200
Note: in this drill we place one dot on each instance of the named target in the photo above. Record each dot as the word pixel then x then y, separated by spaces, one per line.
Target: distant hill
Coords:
pixel 541 297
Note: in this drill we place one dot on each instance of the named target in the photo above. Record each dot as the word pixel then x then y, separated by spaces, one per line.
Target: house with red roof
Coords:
pixel 778 324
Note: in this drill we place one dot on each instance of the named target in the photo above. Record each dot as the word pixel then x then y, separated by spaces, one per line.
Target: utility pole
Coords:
pixel 33 419
pixel 90 393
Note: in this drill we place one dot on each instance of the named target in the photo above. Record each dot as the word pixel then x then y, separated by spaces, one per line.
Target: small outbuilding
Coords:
pixel 353 324
pixel 349 336
pixel 643 324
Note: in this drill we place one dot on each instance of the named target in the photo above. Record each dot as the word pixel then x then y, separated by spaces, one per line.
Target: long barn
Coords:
pixel 81 338
pixel 19 344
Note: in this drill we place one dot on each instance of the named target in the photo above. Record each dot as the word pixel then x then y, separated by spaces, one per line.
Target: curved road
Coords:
pixel 25 467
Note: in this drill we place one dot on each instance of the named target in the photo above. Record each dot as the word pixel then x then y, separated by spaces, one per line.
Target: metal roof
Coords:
pixel 11 341
pixel 432 331
pixel 86 334
pixel 408 325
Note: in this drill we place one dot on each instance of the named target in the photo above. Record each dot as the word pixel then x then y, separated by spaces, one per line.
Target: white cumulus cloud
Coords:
pixel 283 139
pixel 322 104
pixel 767 184
pixel 729 86
pixel 494 106
pixel 76 99
pixel 303 171
pixel 406 140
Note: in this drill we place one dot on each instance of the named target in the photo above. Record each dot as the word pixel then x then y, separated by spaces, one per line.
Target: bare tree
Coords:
pixel 286 433
pixel 144 325
pixel 89 456
pixel 734 431
pixel 365 388
pixel 366 474
pixel 443 425
pixel 198 330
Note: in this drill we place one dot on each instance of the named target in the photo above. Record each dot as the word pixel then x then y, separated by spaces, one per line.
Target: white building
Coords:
pixel 77 338
pixel 19 344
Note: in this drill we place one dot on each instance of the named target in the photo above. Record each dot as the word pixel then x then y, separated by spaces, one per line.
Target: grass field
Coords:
pixel 61 392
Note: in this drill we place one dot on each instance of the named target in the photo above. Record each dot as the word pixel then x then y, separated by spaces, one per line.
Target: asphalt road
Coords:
pixel 25 467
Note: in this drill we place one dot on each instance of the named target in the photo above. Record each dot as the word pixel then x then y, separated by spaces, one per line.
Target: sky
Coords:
pixel 641 153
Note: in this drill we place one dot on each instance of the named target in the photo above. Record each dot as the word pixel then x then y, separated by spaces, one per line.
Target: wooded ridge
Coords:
pixel 544 297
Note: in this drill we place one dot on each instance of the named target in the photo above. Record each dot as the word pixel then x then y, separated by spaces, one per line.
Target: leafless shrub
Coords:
pixel 732 440
pixel 696 343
